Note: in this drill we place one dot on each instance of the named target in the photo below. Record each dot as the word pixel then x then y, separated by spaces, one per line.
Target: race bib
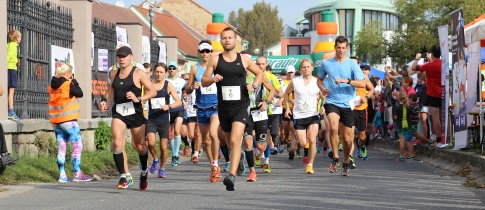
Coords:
pixel 355 102
pixel 259 115
pixel 157 103
pixel 231 93
pixel 125 109
pixel 304 105
pixel 209 90
pixel 277 109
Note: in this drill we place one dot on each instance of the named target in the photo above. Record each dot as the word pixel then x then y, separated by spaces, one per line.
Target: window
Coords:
pixel 389 21
pixel 298 50
pixel 346 23
pixel 293 50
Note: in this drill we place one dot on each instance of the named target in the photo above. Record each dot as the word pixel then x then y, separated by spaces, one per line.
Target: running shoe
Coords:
pixel 266 168
pixel 400 158
pixel 325 152
pixel 319 146
pixel 412 157
pixel 143 181
pixel 257 160
pixel 123 183
pixel 363 152
pixel 64 179
pixel 177 160
pixel 227 166
pixel 241 169
pixel 351 162
pixel 291 155
pixel 333 166
pixel 161 173
pixel 82 178
pixel 229 182
pixel 174 161
pixel 359 155
pixel 130 180
pixel 281 149
pixel 186 151
pixel 8 160
pixel 406 156
pixel 214 177
pixel 195 159
pixel 154 166
pixel 13 116
pixel 218 172
pixel 345 169
pixel 340 147
pixel 251 177
pixel 309 169
pixel 305 160
pixel 274 151
pixel 298 155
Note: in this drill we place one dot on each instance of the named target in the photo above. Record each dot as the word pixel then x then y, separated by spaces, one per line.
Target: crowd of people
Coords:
pixel 230 106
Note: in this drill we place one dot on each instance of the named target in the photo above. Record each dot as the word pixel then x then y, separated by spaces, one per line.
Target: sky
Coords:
pixel 289 10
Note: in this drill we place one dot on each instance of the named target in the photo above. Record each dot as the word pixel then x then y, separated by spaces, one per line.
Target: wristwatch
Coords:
pixel 139 98
pixel 170 106
pixel 254 86
pixel 268 102
pixel 349 81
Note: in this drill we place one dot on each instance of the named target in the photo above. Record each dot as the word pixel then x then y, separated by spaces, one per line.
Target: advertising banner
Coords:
pixel 162 56
pixel 445 78
pixel 61 55
pixel 459 78
pixel 279 63
pixel 103 62
pixel 145 48
pixel 121 36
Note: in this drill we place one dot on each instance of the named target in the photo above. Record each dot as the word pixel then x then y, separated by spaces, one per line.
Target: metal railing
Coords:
pixel 42 24
pixel 104 38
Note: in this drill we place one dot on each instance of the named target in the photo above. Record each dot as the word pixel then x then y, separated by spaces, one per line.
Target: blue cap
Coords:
pixel 172 63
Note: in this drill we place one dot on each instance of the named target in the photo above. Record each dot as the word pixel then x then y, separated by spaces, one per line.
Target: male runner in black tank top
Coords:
pixel 229 69
pixel 128 113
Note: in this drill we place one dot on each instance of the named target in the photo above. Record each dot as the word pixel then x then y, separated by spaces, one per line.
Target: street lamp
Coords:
pixel 151 15
pixel 258 51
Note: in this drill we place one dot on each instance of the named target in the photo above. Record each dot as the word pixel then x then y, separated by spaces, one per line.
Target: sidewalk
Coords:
pixel 460 163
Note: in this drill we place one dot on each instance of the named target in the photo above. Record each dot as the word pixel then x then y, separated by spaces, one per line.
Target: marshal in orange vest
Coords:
pixel 62 108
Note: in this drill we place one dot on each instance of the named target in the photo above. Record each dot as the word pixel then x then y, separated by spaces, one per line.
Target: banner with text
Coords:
pixel 445 78
pixel 279 63
pixel 61 55
pixel 459 78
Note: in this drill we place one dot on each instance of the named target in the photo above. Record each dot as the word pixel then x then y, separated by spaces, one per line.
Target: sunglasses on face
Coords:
pixel 186 79
pixel 205 51
pixel 172 68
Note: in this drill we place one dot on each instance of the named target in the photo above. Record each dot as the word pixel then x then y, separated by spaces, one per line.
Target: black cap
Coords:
pixel 123 51
pixel 365 66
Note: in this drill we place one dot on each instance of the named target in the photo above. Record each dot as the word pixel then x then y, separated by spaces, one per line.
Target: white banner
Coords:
pixel 145 49
pixel 445 77
pixel 162 58
pixel 473 51
pixel 103 62
pixel 121 36
pixel 61 55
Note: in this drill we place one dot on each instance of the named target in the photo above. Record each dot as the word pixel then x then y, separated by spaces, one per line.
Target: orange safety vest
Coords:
pixel 61 107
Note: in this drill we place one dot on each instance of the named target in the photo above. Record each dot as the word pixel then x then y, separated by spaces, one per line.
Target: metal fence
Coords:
pixel 42 24
pixel 154 52
pixel 104 38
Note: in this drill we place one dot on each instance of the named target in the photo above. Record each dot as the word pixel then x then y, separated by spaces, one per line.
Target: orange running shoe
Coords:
pixel 251 177
pixel 213 177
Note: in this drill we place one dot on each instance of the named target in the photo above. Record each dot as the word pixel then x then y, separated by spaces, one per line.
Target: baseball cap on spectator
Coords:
pixel 290 68
pixel 124 51
pixel 365 66
pixel 172 63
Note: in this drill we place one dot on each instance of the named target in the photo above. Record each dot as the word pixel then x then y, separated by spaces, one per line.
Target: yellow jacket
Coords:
pixel 12 55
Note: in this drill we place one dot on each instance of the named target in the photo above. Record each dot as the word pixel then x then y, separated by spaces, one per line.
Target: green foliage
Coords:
pixel 419 21
pixel 103 136
pixel 370 44
pixel 261 26
pixel 46 144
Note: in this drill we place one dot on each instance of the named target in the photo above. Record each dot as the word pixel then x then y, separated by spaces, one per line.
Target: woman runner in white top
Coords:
pixel 305 110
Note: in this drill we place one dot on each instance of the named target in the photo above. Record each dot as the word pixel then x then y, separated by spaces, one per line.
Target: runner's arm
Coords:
pixel 190 83
pixel 207 79
pixel 251 66
pixel 173 93
pixel 150 90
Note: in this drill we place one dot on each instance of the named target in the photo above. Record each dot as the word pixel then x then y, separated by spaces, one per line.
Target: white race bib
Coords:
pixel 157 103
pixel 231 93
pixel 277 109
pixel 258 115
pixel 125 109
pixel 304 105
pixel 355 102
pixel 209 90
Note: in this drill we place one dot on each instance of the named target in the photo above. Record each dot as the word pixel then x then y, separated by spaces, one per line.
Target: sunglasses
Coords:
pixel 172 68
pixel 186 79
pixel 205 51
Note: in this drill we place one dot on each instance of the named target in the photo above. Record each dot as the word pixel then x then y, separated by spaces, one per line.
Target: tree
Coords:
pixel 261 26
pixel 370 44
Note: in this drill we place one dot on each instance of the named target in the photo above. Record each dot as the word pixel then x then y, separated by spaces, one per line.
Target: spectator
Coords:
pixel 401 119
pixel 5 158
pixel 12 64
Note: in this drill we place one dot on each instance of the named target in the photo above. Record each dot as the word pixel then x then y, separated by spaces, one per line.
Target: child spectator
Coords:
pixel 414 119
pixel 377 121
pixel 401 121
pixel 12 65
pixel 64 92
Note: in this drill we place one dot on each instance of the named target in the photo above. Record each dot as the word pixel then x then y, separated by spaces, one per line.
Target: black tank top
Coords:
pixel 122 86
pixel 158 116
pixel 234 74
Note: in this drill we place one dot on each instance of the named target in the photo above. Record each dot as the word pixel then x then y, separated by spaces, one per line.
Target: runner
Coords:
pixel 287 122
pixel 229 69
pixel 158 118
pixel 176 114
pixel 207 114
pixel 189 124
pixel 306 93
pixel 128 112
pixel 344 75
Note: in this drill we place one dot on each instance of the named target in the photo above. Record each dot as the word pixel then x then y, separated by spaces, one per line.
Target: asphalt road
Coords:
pixel 378 183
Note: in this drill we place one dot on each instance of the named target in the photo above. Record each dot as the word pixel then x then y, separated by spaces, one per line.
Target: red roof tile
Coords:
pixel 114 14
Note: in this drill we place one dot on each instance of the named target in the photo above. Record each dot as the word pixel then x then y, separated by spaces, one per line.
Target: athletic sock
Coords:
pixel 215 163
pixel 144 160
pixel 309 164
pixel 184 139
pixel 119 162
pixel 305 152
pixel 172 145
pixel 196 153
pixel 250 158
pixel 177 140
pixel 225 152
pixel 193 148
